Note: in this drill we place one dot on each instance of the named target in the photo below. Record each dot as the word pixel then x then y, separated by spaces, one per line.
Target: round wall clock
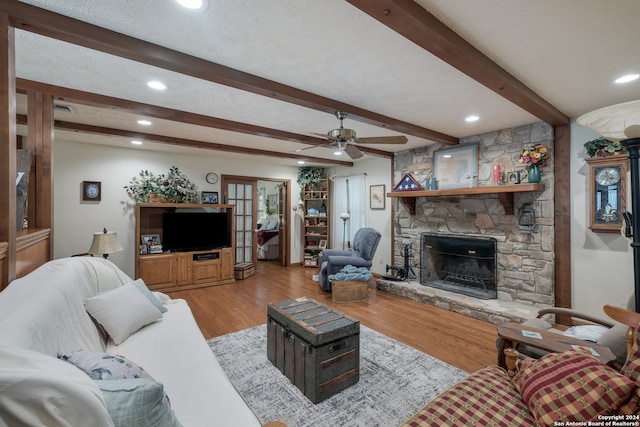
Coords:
pixel 91 191
pixel 212 178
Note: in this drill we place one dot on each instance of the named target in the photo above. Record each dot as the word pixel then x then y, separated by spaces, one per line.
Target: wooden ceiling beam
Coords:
pixel 148 110
pixel 412 21
pixel 22 119
pixel 40 21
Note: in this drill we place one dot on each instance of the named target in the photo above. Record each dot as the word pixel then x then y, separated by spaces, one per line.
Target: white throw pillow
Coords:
pixel 122 311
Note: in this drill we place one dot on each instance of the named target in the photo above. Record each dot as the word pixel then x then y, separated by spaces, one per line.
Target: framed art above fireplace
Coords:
pixel 456 167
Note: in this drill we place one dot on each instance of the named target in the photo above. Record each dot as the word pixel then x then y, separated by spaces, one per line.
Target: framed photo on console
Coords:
pixel 152 242
pixel 210 197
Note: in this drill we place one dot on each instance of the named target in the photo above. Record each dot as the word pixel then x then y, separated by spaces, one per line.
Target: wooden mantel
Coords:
pixel 505 194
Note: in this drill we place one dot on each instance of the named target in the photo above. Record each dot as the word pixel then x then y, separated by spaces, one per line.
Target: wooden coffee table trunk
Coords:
pixel 314 346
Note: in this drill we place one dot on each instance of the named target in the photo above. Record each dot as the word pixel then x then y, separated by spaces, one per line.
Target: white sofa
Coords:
pixel 43 315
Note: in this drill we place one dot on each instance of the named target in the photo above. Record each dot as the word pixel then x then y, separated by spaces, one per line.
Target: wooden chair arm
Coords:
pixel 511 359
pixel 626 317
pixel 576 314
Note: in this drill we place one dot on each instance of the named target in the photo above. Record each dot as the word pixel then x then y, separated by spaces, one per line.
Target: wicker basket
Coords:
pixel 154 198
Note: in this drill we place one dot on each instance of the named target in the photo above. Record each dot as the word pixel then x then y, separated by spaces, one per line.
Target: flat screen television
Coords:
pixel 196 231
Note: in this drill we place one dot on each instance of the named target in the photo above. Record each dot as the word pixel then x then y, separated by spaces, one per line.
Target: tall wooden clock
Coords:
pixel 608 192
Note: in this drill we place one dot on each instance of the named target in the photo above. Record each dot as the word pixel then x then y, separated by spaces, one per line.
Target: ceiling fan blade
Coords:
pixel 383 140
pixel 314 146
pixel 353 151
pixel 324 135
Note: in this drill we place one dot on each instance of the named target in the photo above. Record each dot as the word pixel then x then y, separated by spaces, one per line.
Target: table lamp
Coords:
pixel 105 243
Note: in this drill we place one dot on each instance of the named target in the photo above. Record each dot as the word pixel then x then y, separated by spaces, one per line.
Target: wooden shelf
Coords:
pixel 505 194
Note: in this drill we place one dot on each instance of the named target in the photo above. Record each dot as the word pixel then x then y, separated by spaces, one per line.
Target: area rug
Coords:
pixel 395 381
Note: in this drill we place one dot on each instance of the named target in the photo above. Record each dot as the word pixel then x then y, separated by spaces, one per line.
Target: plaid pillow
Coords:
pixel 631 367
pixel 571 386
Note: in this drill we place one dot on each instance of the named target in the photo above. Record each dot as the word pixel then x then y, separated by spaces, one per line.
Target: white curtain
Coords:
pixel 350 195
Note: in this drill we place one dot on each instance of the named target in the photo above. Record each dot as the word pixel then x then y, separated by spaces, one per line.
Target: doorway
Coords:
pixel 261 217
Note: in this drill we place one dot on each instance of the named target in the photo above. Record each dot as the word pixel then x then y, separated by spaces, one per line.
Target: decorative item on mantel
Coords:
pixel 408 183
pixel 534 158
pixel 174 187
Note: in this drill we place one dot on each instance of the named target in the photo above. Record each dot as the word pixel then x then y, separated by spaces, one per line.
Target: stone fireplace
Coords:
pixel 524 260
pixel 466 265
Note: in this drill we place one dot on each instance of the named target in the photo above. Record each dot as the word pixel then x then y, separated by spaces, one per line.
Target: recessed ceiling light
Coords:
pixel 472 118
pixel 301 162
pixel 136 142
pixel 193 4
pixel 337 153
pixel 155 84
pixel 626 78
pixel 144 122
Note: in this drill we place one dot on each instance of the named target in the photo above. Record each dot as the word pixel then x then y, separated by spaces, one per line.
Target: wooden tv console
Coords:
pixel 174 271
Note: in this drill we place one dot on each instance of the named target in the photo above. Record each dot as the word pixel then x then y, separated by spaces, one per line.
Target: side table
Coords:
pixel 512 335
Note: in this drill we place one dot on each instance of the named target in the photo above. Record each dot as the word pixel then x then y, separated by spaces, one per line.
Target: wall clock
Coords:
pixel 212 178
pixel 608 192
pixel 91 191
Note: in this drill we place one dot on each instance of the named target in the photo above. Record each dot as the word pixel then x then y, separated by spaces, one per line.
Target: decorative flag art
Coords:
pixel 408 183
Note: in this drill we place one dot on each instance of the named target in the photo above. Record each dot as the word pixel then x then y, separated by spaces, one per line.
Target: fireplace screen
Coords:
pixel 466 265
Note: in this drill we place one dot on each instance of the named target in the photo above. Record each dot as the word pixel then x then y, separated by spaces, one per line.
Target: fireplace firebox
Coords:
pixel 466 265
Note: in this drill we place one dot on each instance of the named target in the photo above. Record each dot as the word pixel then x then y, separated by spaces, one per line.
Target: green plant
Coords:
pixel 174 187
pixel 602 147
pixel 308 175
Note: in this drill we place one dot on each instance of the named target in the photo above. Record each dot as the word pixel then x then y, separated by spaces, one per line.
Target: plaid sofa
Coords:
pixel 559 387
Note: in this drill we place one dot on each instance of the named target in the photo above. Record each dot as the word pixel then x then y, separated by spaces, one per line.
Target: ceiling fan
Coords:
pixel 344 139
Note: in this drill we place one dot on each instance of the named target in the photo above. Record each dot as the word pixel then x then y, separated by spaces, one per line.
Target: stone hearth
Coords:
pixel 494 311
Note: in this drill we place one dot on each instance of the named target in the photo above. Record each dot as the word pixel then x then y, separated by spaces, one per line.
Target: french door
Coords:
pixel 241 193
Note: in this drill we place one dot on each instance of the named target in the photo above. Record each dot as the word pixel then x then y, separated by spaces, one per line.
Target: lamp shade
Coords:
pixel 105 243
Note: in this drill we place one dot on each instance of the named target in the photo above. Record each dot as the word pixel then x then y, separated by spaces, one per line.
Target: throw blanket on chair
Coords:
pixel 349 272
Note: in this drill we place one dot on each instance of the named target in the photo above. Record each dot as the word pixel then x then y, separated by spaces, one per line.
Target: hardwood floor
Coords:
pixel 466 343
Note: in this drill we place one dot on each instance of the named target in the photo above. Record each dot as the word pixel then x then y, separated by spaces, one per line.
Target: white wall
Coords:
pixel 75 221
pixel 602 263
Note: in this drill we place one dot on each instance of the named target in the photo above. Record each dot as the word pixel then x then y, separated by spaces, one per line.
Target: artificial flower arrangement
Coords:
pixel 535 155
pixel 174 187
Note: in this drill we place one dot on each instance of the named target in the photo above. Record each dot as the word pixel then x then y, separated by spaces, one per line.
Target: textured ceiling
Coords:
pixel 567 51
